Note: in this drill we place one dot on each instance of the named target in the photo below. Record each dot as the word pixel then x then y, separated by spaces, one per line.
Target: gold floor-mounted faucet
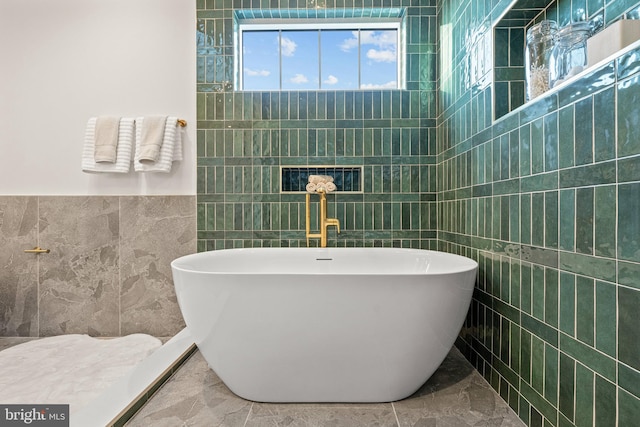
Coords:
pixel 323 220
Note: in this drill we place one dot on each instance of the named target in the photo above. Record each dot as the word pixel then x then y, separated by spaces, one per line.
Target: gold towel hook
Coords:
pixel 182 122
pixel 37 250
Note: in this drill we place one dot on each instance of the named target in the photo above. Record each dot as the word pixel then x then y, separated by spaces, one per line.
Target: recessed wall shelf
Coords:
pixel 509 38
pixel 293 179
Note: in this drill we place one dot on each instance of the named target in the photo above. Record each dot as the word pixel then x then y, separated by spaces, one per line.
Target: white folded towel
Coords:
pixel 151 138
pixel 106 139
pixel 170 148
pixel 330 186
pixel 124 149
pixel 320 179
pixel 311 187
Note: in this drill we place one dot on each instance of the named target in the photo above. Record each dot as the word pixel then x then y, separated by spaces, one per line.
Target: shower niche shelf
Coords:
pixel 509 38
pixel 348 179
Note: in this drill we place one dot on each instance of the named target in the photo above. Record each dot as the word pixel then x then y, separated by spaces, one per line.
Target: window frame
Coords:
pixel 277 25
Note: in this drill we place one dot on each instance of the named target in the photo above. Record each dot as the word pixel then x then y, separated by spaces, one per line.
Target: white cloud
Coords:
pixel 381 55
pixel 287 46
pixel 385 40
pixel 381 39
pixel 331 80
pixel 256 73
pixel 351 43
pixel 299 79
pixel 389 85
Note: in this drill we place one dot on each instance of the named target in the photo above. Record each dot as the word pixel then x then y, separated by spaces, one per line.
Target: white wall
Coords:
pixel 63 61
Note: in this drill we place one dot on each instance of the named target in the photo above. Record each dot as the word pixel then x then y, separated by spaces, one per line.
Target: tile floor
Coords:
pixel 455 396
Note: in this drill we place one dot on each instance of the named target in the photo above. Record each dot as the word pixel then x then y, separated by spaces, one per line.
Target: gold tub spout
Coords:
pixel 325 222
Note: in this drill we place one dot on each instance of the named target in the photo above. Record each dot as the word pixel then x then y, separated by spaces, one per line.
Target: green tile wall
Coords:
pixel 547 200
pixel 245 137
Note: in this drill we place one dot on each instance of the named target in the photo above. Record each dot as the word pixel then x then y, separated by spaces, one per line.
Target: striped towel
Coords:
pixel 126 132
pixel 170 150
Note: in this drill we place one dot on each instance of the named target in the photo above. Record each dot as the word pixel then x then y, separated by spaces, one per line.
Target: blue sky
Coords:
pixel 300 59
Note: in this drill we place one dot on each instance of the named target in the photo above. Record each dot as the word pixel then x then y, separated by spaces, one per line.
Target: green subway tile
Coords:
pixel 567 303
pixel 629 221
pixel 525 288
pixel 585 315
pixel 605 221
pixel 593 359
pixel 514 154
pixel 538 292
pixel 584 396
pixel 551 142
pixel 537 219
pixel 537 147
pixel 599 268
pixel 628 274
pixel 584 220
pixel 538 402
pixel 551 297
pixel 629 379
pixel 596 174
pixel 504 156
pixel 604 125
pixel 551 374
pixel 504 218
pixel 539 182
pixel 546 257
pixel 525 218
pixel 525 355
pixel 629 169
pixel 628 409
pixel 628 343
pixel 567 220
pixel 535 418
pixel 525 150
pixel 628 106
pixel 537 364
pixel 605 403
pixel 551 219
pixel 514 351
pixel 566 395
pixel 565 138
pixel 540 329
pixel 584 132
pixel 605 317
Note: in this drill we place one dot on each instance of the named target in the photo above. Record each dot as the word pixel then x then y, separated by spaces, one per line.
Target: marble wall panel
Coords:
pixel 79 279
pixel 154 231
pixel 109 269
pixel 18 271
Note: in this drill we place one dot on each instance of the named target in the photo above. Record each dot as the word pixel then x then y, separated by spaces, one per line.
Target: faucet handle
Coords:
pixel 335 222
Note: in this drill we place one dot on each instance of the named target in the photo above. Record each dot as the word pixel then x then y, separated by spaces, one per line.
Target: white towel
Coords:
pixel 126 132
pixel 170 150
pixel 152 130
pixel 106 139
pixel 320 179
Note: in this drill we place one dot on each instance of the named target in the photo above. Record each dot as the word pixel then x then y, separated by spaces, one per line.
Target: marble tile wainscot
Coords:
pixel 108 273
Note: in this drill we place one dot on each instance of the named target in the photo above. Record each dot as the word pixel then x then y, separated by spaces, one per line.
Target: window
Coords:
pixel 319 54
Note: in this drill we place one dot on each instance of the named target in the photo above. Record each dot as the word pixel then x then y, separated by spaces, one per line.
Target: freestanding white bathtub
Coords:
pixel 324 325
